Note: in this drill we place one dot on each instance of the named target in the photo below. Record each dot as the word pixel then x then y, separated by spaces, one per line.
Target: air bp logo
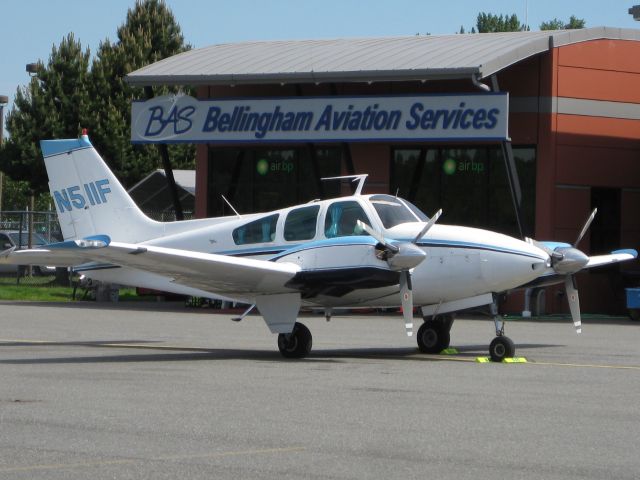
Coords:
pixel 262 167
pixel 449 166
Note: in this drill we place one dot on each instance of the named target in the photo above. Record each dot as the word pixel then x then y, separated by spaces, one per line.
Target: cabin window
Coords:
pixel 393 211
pixel 258 231
pixel 342 219
pixel 301 223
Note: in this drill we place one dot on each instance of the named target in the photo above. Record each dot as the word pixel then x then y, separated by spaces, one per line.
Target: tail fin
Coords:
pixel 89 198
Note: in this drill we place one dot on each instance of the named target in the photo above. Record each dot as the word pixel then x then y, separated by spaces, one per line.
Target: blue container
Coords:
pixel 633 297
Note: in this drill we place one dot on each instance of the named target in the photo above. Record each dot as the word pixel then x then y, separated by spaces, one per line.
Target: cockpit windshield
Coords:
pixel 394 211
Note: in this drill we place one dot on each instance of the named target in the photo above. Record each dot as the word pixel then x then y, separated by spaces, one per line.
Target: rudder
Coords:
pixel 89 198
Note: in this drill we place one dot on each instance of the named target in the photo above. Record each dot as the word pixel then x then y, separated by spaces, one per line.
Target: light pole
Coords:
pixel 3 101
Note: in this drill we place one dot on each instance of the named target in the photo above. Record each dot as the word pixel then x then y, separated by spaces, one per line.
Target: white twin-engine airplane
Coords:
pixel 355 251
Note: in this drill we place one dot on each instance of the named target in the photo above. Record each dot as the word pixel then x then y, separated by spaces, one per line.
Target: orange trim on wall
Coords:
pixel 594 84
pixel 615 55
pixel 585 126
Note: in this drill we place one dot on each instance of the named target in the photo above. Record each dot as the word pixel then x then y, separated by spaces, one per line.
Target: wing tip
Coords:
pixel 94 241
pixel 628 251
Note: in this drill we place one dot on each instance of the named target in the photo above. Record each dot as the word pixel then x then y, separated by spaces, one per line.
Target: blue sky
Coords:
pixel 31 27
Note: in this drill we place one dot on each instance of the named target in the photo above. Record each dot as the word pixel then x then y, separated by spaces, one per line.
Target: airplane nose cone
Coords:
pixel 572 261
pixel 409 256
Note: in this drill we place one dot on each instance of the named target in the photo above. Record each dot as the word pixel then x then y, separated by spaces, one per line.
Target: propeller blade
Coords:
pixel 378 236
pixel 406 295
pixel 574 301
pixel 432 221
pixel 587 224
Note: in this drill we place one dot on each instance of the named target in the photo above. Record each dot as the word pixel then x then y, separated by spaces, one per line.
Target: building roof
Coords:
pixel 152 192
pixel 418 57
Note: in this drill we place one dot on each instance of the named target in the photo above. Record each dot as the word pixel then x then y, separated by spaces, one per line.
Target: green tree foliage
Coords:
pixel 16 196
pixel 557 24
pixel 66 96
pixel 53 105
pixel 149 34
pixel 489 23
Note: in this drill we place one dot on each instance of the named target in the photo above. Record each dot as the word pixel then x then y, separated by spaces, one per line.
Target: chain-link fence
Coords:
pixel 167 215
pixel 25 229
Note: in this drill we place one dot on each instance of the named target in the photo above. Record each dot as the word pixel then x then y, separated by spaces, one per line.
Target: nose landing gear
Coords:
pixel 502 346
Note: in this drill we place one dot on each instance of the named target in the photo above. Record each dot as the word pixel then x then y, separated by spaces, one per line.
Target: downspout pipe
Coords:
pixel 476 81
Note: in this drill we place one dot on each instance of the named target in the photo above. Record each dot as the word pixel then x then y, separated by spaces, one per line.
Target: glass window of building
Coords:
pixel 264 179
pixel 470 184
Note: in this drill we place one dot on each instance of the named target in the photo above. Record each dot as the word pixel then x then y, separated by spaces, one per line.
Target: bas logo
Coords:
pixel 92 193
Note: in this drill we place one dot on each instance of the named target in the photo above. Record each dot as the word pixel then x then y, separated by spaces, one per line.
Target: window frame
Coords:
pixel 297 210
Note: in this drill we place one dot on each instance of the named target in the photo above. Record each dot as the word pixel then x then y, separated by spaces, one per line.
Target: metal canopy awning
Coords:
pixel 152 192
pixel 428 57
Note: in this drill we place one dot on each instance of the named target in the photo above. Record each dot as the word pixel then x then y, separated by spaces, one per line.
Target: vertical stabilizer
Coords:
pixel 89 198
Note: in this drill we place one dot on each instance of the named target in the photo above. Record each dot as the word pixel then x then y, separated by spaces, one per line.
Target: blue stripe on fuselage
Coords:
pixel 367 240
pixel 475 246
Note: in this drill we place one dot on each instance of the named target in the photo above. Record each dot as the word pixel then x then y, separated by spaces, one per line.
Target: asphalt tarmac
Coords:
pixel 158 392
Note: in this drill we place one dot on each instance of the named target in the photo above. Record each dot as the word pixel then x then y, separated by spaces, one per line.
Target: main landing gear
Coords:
pixel 434 334
pixel 296 344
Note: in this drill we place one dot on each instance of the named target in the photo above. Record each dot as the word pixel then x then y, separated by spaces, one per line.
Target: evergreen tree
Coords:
pixel 150 33
pixel 65 96
pixel 54 105
pixel 489 23
pixel 557 24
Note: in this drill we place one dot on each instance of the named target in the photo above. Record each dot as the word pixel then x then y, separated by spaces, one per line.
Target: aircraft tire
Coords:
pixel 501 347
pixel 433 337
pixel 298 344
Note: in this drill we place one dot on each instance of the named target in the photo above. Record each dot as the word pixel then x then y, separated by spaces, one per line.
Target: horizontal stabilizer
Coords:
pixel 62 254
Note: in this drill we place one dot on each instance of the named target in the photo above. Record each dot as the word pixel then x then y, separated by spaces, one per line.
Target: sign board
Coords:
pixel 176 119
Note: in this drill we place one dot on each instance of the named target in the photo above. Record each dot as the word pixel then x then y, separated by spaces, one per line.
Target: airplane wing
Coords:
pixel 613 257
pixel 221 274
pixel 553 278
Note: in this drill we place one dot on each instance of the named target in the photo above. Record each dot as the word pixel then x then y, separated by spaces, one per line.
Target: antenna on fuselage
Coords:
pixel 354 178
pixel 229 203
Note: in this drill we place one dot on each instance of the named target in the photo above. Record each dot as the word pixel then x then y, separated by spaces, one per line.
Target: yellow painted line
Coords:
pixel 106 344
pixel 61 466
pixel 127 461
pixel 585 365
pixel 420 356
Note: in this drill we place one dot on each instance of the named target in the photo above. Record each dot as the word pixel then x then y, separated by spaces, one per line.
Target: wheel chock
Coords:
pixel 449 351
pixel 506 360
pixel 515 360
